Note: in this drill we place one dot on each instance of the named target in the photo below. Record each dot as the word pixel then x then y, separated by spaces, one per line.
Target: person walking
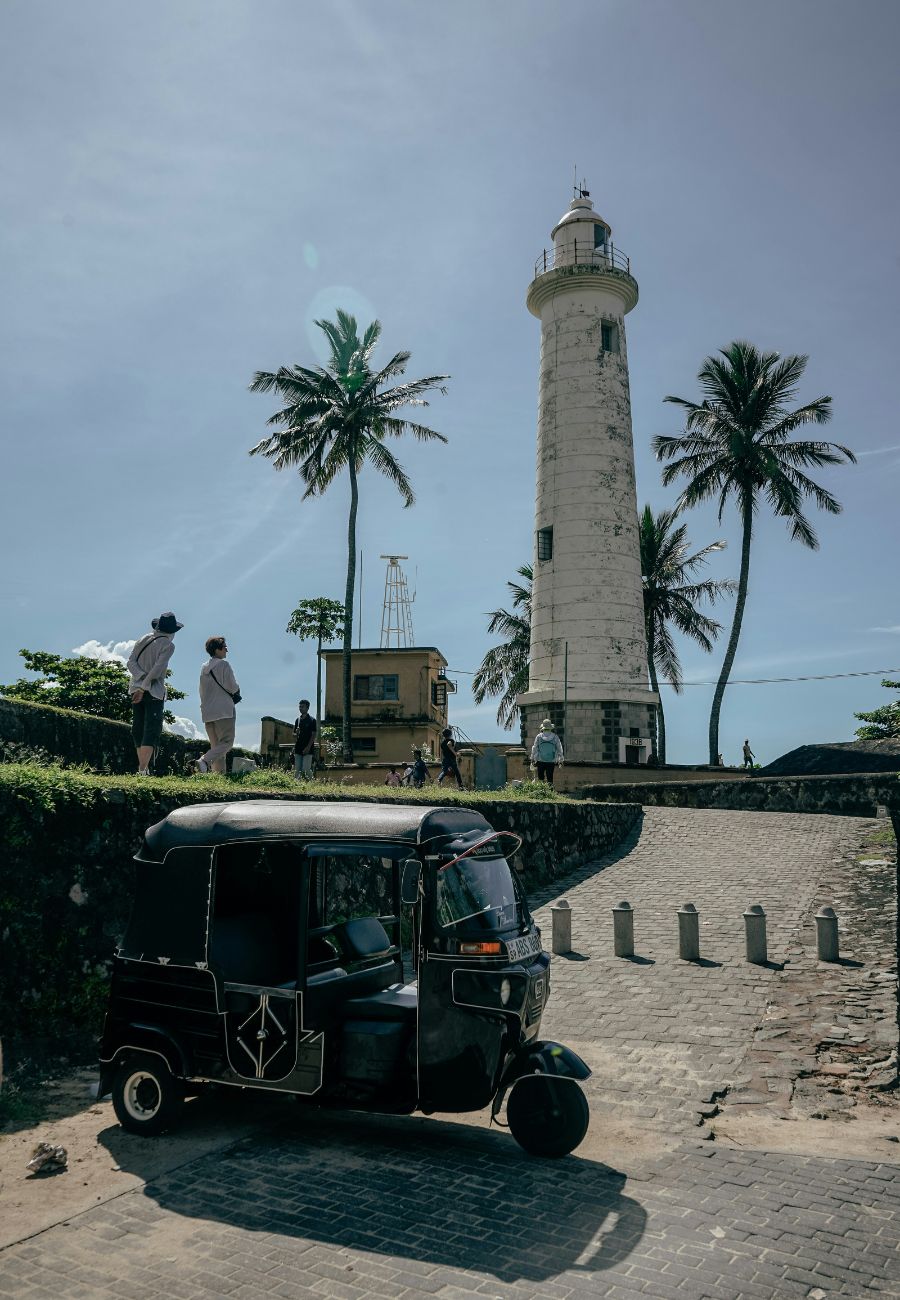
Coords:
pixel 219 693
pixel 147 665
pixel 449 759
pixel 546 751
pixel 393 777
pixel 417 773
pixel 749 756
pixel 304 742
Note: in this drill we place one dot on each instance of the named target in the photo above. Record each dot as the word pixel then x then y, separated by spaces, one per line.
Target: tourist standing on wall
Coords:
pixel 304 742
pixel 449 759
pixel 219 693
pixel 749 756
pixel 147 665
pixel 546 751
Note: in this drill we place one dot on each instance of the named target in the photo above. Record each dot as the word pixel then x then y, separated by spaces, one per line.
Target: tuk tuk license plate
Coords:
pixel 518 949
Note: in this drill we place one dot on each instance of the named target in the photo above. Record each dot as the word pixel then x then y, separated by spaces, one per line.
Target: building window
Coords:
pixel 545 544
pixel 364 744
pixel 439 695
pixel 601 234
pixel 381 687
pixel 609 336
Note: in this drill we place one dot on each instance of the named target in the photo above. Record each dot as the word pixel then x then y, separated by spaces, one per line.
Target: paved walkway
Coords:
pixel 667 1038
pixel 361 1206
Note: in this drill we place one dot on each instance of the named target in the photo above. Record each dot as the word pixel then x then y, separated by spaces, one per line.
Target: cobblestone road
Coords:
pixel 663 1036
pixel 361 1206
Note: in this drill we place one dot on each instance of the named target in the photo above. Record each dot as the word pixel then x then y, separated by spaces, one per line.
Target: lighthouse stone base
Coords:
pixel 591 729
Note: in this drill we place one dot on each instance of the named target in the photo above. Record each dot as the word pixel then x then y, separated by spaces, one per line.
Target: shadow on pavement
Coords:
pixel 441 1193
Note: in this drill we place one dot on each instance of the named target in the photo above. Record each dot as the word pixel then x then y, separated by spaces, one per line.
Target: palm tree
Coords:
pixel 320 618
pixel 736 444
pixel 337 418
pixel 670 598
pixel 504 669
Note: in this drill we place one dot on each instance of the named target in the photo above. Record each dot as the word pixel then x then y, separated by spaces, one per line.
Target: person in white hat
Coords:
pixel 546 751
pixel 147 665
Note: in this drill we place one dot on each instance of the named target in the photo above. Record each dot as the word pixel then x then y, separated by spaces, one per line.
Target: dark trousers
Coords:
pixel 451 769
pixel 147 721
pixel 545 771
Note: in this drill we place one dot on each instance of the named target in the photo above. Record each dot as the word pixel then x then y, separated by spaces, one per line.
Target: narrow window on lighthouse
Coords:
pixel 609 336
pixel 545 544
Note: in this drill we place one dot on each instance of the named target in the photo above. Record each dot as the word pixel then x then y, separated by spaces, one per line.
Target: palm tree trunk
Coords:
pixel 347 742
pixel 660 715
pixel 747 521
pixel 319 693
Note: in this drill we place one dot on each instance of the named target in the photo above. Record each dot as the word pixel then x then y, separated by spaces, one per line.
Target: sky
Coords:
pixel 186 187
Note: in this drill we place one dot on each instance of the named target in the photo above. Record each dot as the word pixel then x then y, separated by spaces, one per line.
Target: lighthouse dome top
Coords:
pixel 580 209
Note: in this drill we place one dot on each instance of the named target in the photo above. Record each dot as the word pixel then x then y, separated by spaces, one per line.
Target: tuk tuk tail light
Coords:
pixel 480 949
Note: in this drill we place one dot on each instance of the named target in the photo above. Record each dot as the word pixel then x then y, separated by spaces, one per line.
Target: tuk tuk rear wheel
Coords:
pixel 547 1116
pixel 146 1096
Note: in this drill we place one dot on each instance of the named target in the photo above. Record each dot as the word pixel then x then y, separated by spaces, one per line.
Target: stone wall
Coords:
pixel 857 795
pixel 65 893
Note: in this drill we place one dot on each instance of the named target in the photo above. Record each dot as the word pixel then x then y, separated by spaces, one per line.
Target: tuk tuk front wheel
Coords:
pixel 146 1096
pixel 547 1116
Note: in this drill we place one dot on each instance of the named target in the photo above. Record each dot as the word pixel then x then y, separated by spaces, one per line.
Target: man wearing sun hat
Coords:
pixel 147 666
pixel 546 751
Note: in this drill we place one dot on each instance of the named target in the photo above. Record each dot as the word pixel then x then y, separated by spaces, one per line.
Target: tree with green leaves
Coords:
pixel 882 723
pixel 671 599
pixel 736 445
pixel 339 417
pixel 320 619
pixel 504 669
pixel 86 685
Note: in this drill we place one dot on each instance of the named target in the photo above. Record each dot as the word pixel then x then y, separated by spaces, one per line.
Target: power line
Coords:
pixel 732 681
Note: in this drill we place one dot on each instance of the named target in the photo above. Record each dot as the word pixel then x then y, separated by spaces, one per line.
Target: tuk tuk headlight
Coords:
pixel 505 991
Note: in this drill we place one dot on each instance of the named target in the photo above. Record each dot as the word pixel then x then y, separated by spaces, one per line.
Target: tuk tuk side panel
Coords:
pixel 177 1005
pixel 265 1038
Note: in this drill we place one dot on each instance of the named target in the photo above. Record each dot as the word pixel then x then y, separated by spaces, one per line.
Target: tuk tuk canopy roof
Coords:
pixel 210 824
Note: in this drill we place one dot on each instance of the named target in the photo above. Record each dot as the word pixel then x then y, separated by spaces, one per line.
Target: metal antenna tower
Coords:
pixel 396 616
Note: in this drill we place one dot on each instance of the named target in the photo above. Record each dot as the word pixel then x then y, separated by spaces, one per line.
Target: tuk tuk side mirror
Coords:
pixel 409 881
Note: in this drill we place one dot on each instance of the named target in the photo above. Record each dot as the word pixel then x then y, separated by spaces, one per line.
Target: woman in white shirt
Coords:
pixel 219 692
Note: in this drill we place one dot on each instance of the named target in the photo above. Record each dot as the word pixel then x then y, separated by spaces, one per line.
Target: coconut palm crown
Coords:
pixel 504 669
pixel 671 600
pixel 736 445
pixel 339 417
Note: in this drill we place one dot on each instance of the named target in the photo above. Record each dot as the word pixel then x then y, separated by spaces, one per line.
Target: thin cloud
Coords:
pixel 894 628
pixel 878 451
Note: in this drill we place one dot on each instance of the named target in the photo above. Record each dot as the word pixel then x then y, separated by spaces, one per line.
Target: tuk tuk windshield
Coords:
pixel 479 886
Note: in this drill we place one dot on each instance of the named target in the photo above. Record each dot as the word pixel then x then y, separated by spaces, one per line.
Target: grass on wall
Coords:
pixel 47 785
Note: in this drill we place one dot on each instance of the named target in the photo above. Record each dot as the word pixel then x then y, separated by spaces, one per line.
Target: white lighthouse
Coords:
pixel 588 670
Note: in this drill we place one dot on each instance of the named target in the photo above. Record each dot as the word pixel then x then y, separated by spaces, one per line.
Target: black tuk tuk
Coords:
pixel 266 950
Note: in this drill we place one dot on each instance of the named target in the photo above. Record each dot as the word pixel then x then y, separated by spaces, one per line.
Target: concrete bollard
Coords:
pixel 827 934
pixel 688 933
pixel 561 917
pixel 755 931
pixel 623 930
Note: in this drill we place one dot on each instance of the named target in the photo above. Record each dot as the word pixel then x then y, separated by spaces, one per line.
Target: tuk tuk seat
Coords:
pixel 363 939
pixel 398 1002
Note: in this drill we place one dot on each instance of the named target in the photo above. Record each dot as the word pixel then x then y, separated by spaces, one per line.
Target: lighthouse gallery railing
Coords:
pixel 583 253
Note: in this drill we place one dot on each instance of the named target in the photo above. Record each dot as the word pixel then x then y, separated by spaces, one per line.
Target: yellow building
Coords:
pixel 398 702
